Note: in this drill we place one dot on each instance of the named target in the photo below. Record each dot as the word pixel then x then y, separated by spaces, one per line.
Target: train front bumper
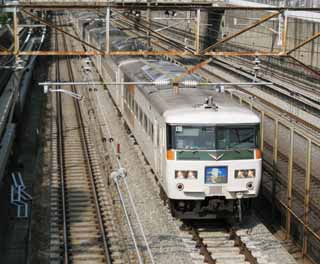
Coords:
pixel 214 178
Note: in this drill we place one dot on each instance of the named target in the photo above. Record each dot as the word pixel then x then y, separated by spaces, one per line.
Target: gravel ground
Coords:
pixel 41 186
pixel 161 229
pixel 263 245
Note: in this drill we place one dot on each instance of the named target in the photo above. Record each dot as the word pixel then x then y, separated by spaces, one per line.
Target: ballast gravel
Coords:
pixel 161 230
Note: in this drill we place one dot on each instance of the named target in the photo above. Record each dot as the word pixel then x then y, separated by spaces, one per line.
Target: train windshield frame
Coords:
pixel 218 137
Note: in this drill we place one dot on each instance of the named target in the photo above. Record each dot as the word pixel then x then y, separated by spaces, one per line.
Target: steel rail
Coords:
pixel 153 33
pixel 194 229
pixel 59 122
pixel 119 165
pixel 142 23
pixel 46 23
pixel 243 248
pixel 116 179
pixel 85 146
pixel 203 249
pixel 246 67
pixel 227 38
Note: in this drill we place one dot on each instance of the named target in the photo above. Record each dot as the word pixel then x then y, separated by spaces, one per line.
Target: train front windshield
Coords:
pixel 213 137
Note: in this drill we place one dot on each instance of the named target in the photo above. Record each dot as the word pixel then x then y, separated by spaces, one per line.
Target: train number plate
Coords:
pixel 215 189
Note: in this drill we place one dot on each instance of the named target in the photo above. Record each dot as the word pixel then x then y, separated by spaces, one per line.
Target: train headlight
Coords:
pixel 180 174
pixel 241 174
pixel 192 175
pixel 251 173
pixel 186 174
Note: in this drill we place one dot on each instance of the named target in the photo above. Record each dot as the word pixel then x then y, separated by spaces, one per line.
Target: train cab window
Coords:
pixel 194 138
pixel 212 137
pixel 236 137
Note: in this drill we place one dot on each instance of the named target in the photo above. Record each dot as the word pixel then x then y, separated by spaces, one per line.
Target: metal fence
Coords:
pixel 291 177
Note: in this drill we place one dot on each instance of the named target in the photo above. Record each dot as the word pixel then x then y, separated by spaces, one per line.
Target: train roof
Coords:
pixel 187 106
pixel 175 108
pixel 201 115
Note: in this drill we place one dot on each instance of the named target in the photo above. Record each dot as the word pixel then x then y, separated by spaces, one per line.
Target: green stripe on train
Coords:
pixel 215 155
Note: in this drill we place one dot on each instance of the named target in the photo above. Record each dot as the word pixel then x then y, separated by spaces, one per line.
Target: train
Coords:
pixel 202 146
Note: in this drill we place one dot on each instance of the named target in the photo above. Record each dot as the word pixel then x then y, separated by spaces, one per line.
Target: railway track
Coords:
pixel 78 206
pixel 296 95
pixel 217 243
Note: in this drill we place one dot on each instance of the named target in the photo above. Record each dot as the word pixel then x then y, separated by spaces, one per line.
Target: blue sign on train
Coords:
pixel 215 175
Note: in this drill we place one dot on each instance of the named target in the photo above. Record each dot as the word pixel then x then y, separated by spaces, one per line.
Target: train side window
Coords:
pixel 145 123
pixel 151 131
pixel 158 136
pixel 149 127
pixel 140 115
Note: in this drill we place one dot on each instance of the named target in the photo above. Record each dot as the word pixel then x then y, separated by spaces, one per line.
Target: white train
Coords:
pixel 204 151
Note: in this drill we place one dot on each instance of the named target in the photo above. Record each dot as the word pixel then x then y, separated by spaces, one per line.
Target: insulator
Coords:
pixel 161 82
pixel 190 83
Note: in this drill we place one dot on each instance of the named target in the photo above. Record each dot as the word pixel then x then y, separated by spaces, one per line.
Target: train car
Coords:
pixel 202 145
